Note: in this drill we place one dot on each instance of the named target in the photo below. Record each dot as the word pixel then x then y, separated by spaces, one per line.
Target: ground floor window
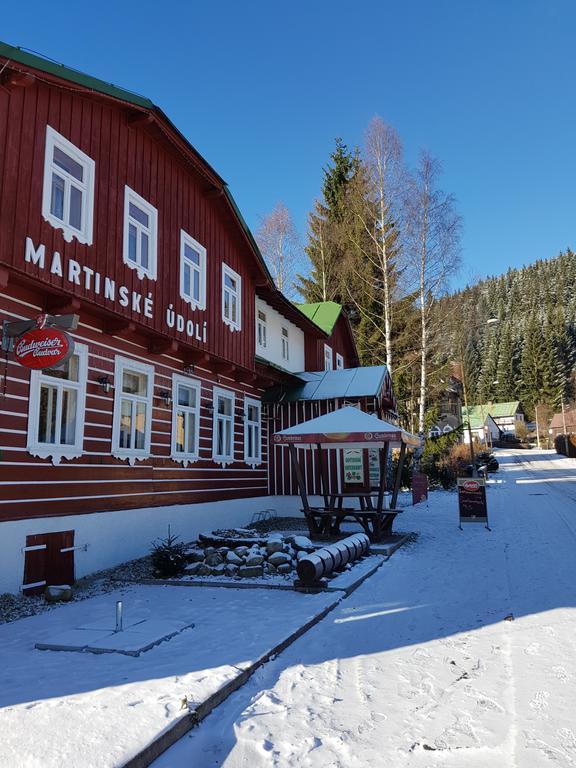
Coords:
pixel 252 432
pixel 56 409
pixel 223 436
pixel 134 386
pixel 185 418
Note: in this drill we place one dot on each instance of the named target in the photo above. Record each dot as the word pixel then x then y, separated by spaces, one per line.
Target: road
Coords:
pixel 460 651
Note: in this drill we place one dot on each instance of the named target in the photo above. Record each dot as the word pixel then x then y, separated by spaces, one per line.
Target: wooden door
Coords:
pixel 48 559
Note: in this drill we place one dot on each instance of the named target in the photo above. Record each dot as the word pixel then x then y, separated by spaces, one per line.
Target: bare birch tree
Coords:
pixel 433 252
pixel 375 201
pixel 280 245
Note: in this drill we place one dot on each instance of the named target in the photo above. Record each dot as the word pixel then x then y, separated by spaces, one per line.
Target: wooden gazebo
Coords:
pixel 348 428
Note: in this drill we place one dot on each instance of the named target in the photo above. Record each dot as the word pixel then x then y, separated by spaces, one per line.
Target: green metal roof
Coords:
pixel 496 410
pixel 323 313
pixel 59 70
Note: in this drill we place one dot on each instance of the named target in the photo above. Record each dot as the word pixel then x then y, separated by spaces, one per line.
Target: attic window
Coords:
pixel 68 193
pixel 140 234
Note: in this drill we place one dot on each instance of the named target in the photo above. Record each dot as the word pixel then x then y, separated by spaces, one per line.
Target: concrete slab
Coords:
pixel 131 641
pixel 139 639
pixel 72 640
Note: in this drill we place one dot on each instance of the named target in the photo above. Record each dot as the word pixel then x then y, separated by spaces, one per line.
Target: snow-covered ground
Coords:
pixel 459 651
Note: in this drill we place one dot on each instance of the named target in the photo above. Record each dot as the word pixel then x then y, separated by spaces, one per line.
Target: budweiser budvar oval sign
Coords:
pixel 471 485
pixel 43 348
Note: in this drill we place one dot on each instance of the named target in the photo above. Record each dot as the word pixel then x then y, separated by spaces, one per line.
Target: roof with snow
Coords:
pixel 496 410
pixel 345 428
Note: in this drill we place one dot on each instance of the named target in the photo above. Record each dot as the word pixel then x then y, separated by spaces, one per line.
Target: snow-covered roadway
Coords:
pixel 459 651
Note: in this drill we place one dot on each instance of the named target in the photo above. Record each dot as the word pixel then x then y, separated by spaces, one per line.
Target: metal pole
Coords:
pixel 537 428
pixel 564 428
pixel 119 611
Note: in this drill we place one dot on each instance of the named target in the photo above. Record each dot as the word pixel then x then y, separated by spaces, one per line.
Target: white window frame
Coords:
pixel 285 334
pixel 227 271
pixel 188 240
pixel 339 362
pixel 328 354
pixel 57 451
pixel 185 381
pixel 85 234
pixel 122 364
pixel 130 196
pixel 249 425
pixel 261 328
pixel 222 459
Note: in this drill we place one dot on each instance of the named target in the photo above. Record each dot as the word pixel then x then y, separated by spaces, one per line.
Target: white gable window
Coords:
pixel 133 391
pixel 68 193
pixel 285 344
pixel 185 419
pixel 192 271
pixel 252 432
pixel 140 235
pixel 223 427
pixel 339 362
pixel 327 358
pixel 231 298
pixel 56 408
pixel 261 327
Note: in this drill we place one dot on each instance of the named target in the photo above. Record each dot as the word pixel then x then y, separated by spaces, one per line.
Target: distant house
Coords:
pixel 563 423
pixel 482 426
pixel 449 409
pixel 507 416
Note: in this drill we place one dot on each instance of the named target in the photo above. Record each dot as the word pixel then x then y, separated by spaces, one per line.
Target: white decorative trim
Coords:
pixel 233 325
pixel 130 196
pixel 252 461
pixel 84 235
pixel 120 365
pixel 222 460
pixel 185 458
pixel 57 452
pixel 328 349
pixel 186 239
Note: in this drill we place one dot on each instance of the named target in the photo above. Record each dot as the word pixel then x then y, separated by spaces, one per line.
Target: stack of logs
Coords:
pixel 312 568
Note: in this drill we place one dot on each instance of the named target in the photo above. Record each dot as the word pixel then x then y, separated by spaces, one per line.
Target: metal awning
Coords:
pixel 346 383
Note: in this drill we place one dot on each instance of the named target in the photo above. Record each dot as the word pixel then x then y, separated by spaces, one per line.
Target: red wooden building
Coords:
pixel 108 213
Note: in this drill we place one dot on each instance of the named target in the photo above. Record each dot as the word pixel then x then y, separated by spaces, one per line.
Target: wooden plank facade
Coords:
pixel 129 310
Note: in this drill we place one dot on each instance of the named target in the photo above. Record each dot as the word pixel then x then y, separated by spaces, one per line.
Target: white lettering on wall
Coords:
pixel 93 281
pixel 35 255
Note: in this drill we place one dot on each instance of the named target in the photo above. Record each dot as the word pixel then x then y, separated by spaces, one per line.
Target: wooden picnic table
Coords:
pixel 326 522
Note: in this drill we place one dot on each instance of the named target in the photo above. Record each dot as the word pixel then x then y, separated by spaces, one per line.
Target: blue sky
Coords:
pixel 262 89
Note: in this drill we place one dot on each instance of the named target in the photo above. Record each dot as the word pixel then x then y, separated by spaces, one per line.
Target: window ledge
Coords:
pixel 184 460
pixel 131 457
pixel 140 271
pixel 223 461
pixel 56 453
pixel 231 325
pixel 68 232
pixel 252 463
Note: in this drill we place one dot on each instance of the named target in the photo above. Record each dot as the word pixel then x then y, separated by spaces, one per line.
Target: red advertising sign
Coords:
pixel 43 348
pixel 419 487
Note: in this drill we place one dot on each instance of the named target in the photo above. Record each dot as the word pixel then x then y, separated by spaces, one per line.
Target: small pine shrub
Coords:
pixel 168 557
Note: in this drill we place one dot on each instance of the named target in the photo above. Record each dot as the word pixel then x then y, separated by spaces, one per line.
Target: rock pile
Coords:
pixel 277 555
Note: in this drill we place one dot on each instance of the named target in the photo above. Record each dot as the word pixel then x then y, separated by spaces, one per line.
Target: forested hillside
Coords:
pixel 529 354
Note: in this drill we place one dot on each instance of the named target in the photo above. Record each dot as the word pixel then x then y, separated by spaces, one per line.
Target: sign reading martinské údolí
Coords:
pixel 472 500
pixel 42 348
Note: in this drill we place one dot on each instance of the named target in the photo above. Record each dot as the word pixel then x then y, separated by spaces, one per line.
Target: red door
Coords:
pixel 49 559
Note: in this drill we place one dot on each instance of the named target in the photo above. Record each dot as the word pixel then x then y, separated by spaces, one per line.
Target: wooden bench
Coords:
pixel 327 522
